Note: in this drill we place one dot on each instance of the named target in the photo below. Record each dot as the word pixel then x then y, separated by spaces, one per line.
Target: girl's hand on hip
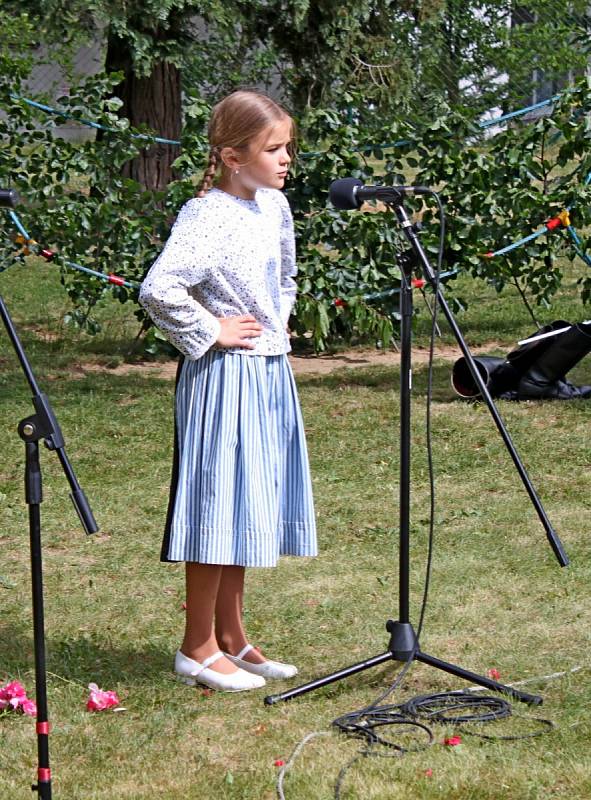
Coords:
pixel 236 331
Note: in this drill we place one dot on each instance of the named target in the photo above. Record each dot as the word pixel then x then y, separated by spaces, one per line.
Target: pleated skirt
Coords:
pixel 241 492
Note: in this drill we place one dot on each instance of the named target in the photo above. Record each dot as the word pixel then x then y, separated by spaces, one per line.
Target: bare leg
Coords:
pixel 229 628
pixel 203 586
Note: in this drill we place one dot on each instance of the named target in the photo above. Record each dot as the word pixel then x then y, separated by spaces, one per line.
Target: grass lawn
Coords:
pixel 114 614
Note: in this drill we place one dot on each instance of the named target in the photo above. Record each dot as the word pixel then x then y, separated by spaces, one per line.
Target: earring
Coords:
pixel 236 171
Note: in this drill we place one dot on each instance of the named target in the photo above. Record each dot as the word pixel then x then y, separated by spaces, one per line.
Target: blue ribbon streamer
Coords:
pixel 28 239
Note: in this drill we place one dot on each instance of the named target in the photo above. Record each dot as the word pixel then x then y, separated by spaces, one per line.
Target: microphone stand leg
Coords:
pixel 327 679
pixel 404 647
pixel 481 680
pixel 34 496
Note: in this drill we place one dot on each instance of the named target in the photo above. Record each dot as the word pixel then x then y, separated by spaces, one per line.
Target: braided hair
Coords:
pixel 210 171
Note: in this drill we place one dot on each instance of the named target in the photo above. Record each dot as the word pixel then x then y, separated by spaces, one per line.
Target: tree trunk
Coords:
pixel 154 101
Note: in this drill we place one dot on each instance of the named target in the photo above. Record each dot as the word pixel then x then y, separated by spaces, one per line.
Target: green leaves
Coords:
pixel 495 191
pixel 495 188
pixel 75 200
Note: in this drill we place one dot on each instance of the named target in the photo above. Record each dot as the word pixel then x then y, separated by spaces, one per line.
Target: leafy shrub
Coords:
pixel 494 189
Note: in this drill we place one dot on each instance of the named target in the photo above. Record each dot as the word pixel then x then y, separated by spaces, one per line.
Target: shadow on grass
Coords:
pixel 385 379
pixel 85 659
pixel 88 658
pixel 63 375
pixel 58 381
pixel 374 681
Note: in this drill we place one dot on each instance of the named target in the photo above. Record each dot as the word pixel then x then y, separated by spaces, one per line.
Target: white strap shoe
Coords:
pixel 273 670
pixel 191 672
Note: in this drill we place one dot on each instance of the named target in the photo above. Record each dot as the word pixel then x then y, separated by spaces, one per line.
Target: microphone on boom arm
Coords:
pixel 8 198
pixel 349 193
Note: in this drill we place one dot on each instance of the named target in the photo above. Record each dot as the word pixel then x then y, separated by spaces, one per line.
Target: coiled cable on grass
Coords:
pixel 457 707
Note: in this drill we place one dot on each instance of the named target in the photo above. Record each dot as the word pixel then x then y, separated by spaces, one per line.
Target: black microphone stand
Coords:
pixel 404 645
pixel 42 424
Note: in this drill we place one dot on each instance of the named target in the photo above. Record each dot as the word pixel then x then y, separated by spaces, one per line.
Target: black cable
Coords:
pixel 547 726
pixel 460 708
pixel 447 708
pixel 428 415
pixel 378 718
pixel 457 707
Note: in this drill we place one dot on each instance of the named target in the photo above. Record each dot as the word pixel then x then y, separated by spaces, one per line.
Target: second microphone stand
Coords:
pixel 42 426
pixel 404 645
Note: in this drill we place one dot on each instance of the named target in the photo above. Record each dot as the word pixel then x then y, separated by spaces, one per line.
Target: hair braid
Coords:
pixel 210 170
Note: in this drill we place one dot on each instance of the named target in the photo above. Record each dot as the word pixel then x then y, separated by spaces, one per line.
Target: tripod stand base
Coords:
pixel 404 647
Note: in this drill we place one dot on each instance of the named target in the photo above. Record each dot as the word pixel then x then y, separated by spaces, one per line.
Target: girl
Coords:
pixel 222 291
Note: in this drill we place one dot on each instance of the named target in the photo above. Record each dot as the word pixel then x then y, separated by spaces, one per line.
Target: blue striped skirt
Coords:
pixel 241 492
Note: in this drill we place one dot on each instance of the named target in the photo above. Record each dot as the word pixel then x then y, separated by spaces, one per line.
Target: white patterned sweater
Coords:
pixel 225 257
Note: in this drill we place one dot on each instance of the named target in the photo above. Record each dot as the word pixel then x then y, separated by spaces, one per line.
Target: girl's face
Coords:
pixel 266 164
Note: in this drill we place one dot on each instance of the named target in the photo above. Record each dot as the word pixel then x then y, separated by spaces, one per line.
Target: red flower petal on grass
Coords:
pixel 429 773
pixel 13 696
pixel 452 741
pixel 29 708
pixel 494 674
pixel 99 700
pixel 279 763
pixel 12 690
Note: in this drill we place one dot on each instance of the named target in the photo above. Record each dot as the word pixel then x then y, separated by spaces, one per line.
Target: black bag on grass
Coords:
pixel 534 370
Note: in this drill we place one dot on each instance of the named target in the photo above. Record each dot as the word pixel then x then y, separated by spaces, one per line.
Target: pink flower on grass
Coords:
pixel 452 741
pixel 494 674
pixel 11 694
pixel 100 700
pixel 28 707
pixel 14 697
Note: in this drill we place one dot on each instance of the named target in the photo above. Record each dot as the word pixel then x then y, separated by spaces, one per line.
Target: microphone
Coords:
pixel 8 198
pixel 348 193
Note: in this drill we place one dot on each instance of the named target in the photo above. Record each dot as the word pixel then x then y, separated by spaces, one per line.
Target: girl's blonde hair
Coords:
pixel 235 122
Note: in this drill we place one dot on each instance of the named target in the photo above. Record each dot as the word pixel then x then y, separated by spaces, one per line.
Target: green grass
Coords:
pixel 113 612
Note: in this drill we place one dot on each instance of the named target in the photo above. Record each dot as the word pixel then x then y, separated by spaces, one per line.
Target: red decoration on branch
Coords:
pixel 560 219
